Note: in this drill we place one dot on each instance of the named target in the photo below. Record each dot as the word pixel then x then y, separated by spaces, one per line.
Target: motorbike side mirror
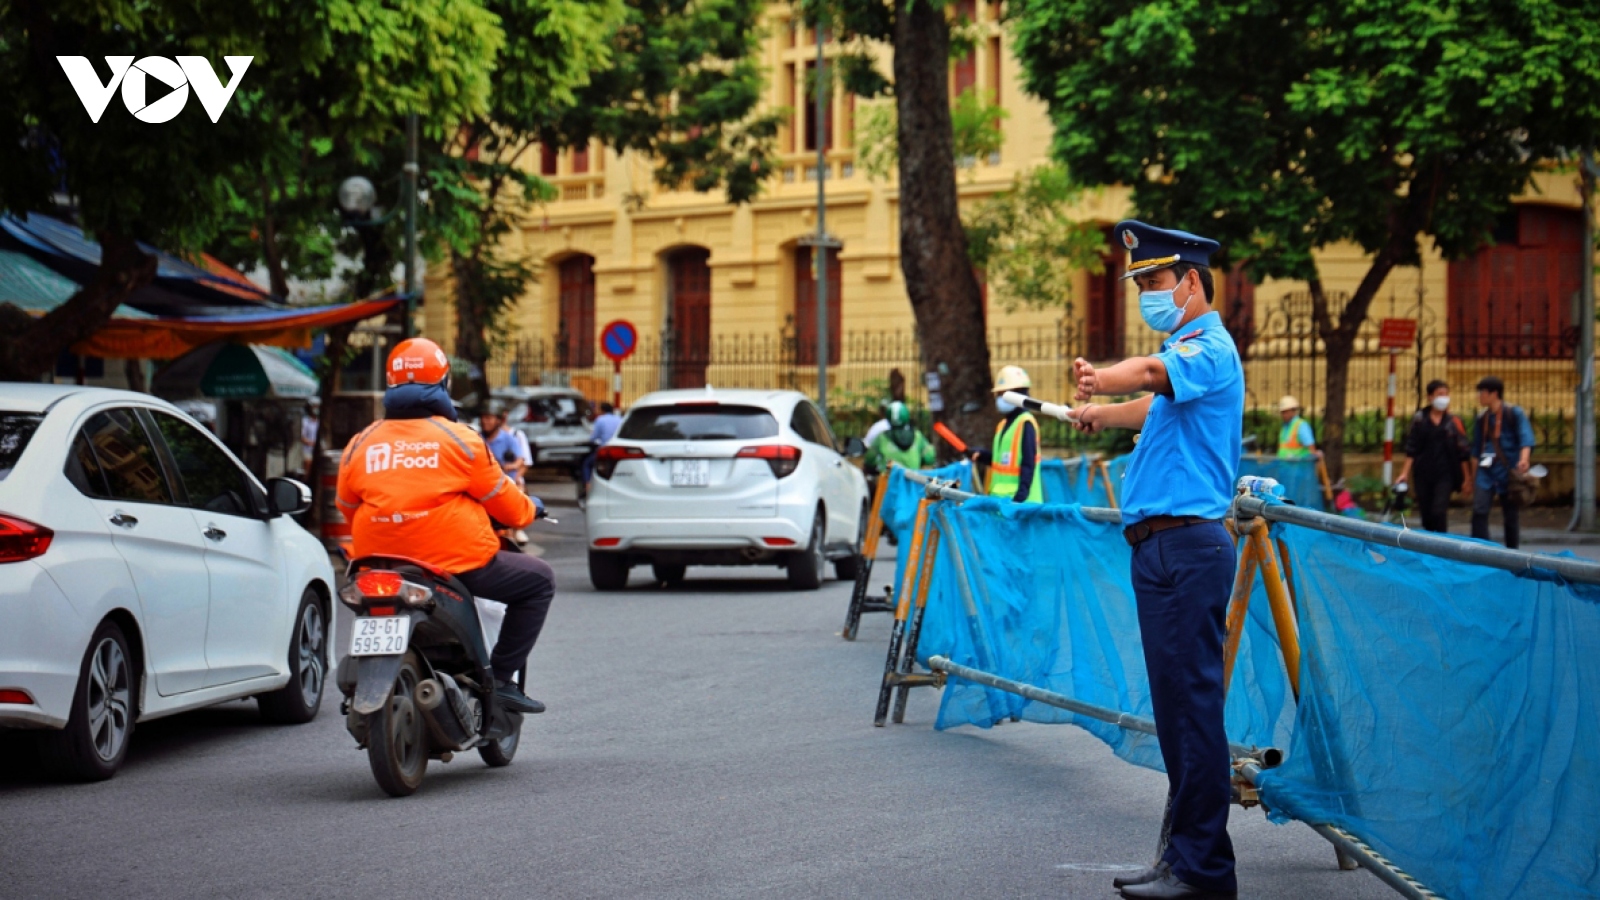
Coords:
pixel 288 497
pixel 854 448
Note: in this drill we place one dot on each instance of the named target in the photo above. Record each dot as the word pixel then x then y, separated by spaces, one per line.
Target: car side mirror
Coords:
pixel 288 497
pixel 854 447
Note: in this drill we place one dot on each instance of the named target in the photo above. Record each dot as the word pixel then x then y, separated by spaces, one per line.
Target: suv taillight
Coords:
pixel 21 539
pixel 605 461
pixel 783 458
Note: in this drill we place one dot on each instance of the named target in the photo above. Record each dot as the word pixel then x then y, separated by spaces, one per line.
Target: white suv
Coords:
pixel 725 478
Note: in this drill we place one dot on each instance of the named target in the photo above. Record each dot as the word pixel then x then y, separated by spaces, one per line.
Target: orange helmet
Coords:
pixel 417 360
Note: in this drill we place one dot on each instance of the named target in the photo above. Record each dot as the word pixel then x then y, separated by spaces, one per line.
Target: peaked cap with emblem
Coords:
pixel 1151 248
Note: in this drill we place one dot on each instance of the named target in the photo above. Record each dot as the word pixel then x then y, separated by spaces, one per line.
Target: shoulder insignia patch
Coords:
pixel 1187 350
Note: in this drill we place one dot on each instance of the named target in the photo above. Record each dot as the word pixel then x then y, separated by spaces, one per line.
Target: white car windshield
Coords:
pixel 698 422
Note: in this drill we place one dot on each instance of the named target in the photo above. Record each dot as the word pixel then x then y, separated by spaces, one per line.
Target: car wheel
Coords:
pixel 671 576
pixel 298 701
pixel 608 571
pixel 95 741
pixel 806 567
pixel 849 568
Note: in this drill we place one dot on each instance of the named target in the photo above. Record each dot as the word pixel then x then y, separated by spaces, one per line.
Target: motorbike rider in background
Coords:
pixel 420 486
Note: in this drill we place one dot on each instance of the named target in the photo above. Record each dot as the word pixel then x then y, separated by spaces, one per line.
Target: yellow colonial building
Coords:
pixel 723 294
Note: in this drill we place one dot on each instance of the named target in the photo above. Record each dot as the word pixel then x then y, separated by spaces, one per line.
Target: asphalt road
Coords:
pixel 710 741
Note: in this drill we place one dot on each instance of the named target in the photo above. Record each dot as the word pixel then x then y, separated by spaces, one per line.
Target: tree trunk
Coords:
pixel 29 347
pixel 945 297
pixel 133 370
pixel 471 343
pixel 1339 341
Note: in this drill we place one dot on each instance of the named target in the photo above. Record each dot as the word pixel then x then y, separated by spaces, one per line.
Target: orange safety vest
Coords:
pixel 425 489
pixel 1005 469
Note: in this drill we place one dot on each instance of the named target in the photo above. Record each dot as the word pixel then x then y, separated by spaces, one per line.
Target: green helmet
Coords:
pixel 898 415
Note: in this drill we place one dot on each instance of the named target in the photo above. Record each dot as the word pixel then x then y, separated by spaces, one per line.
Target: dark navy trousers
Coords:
pixel 1182 578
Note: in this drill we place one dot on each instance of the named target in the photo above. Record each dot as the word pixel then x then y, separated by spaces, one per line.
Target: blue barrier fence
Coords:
pixel 1449 713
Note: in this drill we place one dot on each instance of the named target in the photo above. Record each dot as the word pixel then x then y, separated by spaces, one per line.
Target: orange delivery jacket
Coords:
pixel 425 489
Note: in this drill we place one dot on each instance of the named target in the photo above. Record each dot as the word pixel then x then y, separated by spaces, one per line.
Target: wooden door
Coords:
pixel 805 307
pixel 689 278
pixel 575 342
pixel 1103 315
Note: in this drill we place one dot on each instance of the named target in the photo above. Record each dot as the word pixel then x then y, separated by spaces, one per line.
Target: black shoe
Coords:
pixel 1142 877
pixel 511 697
pixel 1168 887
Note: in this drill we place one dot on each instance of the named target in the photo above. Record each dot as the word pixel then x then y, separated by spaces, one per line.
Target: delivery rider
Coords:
pixel 419 485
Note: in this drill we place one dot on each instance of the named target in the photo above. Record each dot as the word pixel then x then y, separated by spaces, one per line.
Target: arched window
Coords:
pixel 805 306
pixel 575 338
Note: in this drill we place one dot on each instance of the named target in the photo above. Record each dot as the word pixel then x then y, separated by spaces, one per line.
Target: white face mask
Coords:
pixel 1441 402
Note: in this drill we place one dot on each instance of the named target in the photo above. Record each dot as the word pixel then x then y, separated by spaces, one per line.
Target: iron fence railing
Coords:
pixel 1282 355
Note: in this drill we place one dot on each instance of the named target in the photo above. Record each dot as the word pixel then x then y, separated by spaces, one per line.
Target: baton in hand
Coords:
pixel 1053 410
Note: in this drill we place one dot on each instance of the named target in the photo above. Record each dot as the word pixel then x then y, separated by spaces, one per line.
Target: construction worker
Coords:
pixel 901 444
pixel 1178 488
pixel 1014 461
pixel 419 485
pixel 1295 440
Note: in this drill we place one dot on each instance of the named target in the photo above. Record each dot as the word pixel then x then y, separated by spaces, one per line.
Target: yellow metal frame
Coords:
pixel 1257 553
pixel 1103 469
pixel 869 544
pixel 1327 485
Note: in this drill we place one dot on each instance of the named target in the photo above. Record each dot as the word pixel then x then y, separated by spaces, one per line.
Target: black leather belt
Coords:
pixel 1134 534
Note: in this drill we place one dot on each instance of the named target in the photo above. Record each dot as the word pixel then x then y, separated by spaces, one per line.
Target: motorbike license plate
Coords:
pixel 380 636
pixel 691 472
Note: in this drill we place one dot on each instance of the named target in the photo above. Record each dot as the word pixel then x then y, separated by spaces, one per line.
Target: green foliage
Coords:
pixel 1028 244
pixel 1280 131
pixel 974 124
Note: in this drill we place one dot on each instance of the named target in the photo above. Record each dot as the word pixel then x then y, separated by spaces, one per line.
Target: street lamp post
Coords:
pixel 1584 476
pixel 820 252
pixel 411 172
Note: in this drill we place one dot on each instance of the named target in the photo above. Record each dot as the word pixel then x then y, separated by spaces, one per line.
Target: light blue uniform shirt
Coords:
pixel 1188 455
pixel 605 428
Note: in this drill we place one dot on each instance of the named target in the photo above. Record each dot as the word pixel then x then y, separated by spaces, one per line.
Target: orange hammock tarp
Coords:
pixel 170 338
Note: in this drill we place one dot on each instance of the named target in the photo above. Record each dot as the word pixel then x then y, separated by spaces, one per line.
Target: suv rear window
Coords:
pixel 16 430
pixel 703 422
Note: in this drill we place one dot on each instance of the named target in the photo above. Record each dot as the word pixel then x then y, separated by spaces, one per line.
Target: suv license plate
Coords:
pixel 380 636
pixel 691 472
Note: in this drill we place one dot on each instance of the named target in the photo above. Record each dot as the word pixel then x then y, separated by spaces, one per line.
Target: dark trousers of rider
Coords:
pixel 525 584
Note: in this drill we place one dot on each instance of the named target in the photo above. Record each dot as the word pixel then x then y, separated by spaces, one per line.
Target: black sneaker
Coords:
pixel 512 698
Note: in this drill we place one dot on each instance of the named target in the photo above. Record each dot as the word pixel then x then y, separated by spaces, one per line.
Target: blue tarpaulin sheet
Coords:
pixel 1450 716
pixel 1052 606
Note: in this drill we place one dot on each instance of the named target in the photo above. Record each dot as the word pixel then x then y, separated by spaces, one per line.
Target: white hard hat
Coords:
pixel 1012 378
pixel 1287 403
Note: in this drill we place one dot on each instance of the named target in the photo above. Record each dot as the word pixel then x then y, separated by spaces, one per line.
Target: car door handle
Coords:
pixel 123 520
pixel 214 533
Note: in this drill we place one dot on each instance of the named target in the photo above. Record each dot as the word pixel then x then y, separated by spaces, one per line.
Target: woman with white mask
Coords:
pixel 1436 458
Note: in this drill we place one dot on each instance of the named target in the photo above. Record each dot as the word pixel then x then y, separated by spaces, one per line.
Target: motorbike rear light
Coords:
pixel 782 458
pixel 21 539
pixel 12 695
pixel 380 610
pixel 607 457
pixel 777 542
pixel 382 585
pixel 607 542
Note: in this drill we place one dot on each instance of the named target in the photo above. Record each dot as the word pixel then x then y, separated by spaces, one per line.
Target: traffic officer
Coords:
pixel 1014 461
pixel 1295 438
pixel 1177 488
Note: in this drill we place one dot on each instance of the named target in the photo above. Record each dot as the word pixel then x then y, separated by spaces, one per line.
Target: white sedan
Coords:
pixel 144 572
pixel 721 478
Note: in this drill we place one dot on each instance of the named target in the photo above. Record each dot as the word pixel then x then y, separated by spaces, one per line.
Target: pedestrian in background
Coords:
pixel 509 448
pixel 1437 462
pixel 1502 443
pixel 308 435
pixel 1295 438
pixel 1179 486
pixel 1014 460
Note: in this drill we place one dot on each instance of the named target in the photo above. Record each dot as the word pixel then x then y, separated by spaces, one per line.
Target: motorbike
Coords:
pixel 416 683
